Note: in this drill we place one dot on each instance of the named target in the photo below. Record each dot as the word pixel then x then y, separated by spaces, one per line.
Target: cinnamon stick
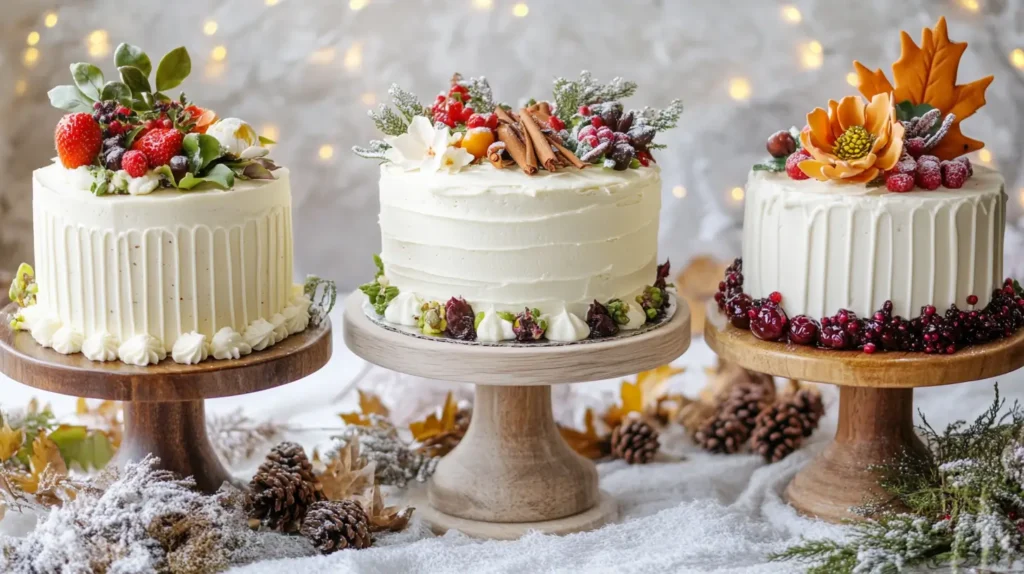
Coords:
pixel 503 115
pixel 568 155
pixel 514 146
pixel 543 147
pixel 531 152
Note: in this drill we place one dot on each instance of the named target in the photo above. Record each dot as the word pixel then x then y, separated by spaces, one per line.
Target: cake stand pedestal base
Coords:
pixel 876 406
pixel 164 413
pixel 513 472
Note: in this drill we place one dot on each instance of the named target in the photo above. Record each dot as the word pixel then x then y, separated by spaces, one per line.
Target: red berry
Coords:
pixel 587 131
pixel 967 163
pixel 972 299
pixel 492 121
pixel 596 121
pixel 556 123
pixel 96 105
pixel 466 113
pixel 78 139
pixel 775 297
pixel 929 310
pixel 476 121
pixel 455 108
pixel 954 174
pixel 914 146
pixel 459 89
pixel 115 127
pixel 793 165
pixel 644 157
pixel 584 110
pixel 803 330
pixel 929 176
pixel 123 111
pixel 135 163
pixel 159 145
pixel 605 134
pixel 869 348
pixel 899 182
pixel 592 141
pixel 769 322
pixel 906 165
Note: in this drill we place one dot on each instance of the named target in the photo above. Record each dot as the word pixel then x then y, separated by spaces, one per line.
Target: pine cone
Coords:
pixel 810 407
pixel 745 402
pixel 278 497
pixel 722 434
pixel 337 525
pixel 779 431
pixel 635 442
pixel 293 457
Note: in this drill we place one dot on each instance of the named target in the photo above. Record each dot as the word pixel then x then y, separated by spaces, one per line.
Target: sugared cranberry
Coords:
pixel 928 310
pixel 834 336
pixel 775 297
pixel 803 330
pixel 738 309
pixel 769 323
pixel 869 348
pixel 584 110
pixel 972 299
pixel 596 121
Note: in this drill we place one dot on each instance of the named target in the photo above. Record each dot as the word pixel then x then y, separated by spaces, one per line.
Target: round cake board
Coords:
pixel 513 472
pixel 876 405
pixel 164 414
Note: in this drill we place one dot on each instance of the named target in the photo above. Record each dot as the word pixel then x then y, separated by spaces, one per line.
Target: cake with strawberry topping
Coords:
pixel 870 228
pixel 526 224
pixel 160 230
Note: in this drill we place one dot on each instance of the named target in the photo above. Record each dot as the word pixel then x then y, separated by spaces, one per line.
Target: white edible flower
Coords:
pixel 119 181
pixel 253 152
pixel 234 135
pixel 143 185
pixel 425 148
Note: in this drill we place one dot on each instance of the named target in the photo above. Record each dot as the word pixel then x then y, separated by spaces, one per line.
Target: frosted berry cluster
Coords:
pixel 130 129
pixel 930 332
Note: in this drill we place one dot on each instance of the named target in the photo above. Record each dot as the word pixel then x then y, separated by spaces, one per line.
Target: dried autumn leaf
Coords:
pixel 387 518
pixel 369 404
pixel 347 475
pixel 634 397
pixel 586 443
pixel 926 74
pixel 10 441
pixel 433 425
pixel 45 455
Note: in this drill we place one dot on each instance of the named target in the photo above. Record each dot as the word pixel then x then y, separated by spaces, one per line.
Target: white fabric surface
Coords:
pixel 706 513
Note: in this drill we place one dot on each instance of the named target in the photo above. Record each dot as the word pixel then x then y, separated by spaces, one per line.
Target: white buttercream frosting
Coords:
pixel 190 349
pixel 44 328
pixel 229 344
pixel 296 318
pixel 144 184
pixel 500 238
pixel 403 309
pixel 565 327
pixel 259 335
pixel 635 314
pixel 67 341
pixel 827 246
pixel 280 327
pixel 142 350
pixel 493 328
pixel 31 314
pixel 100 346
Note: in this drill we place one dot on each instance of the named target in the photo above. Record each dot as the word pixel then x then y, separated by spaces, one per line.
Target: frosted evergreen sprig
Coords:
pixel 388 121
pixel 569 95
pixel 407 104
pixel 380 291
pixel 328 297
pixel 660 119
pixel 375 150
pixel 481 97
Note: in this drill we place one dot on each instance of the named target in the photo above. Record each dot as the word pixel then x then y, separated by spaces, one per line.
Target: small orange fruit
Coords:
pixel 477 140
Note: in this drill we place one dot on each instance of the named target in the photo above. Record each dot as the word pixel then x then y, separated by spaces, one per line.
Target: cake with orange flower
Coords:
pixel 870 228
pixel 161 232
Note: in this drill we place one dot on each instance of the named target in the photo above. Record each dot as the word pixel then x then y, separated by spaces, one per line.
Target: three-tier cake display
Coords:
pixel 535 224
pixel 160 229
pixel 870 228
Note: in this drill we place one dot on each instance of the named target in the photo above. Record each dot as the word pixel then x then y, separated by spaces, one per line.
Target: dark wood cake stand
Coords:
pixel 164 413
pixel 513 472
pixel 876 405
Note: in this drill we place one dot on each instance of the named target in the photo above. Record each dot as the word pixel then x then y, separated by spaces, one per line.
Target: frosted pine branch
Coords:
pixel 660 119
pixel 375 150
pixel 387 121
pixel 407 104
pixel 569 95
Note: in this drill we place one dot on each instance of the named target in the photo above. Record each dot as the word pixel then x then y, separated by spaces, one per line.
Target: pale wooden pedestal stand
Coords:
pixel 513 472
pixel 163 410
pixel 876 411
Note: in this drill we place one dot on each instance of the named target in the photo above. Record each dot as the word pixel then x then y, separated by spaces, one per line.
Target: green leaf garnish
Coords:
pixel 117 91
pixel 174 67
pixel 773 164
pixel 266 141
pixel 88 78
pixel 69 98
pixel 907 110
pixel 220 175
pixel 201 150
pixel 510 317
pixel 135 79
pixel 129 137
pixel 87 448
pixel 129 55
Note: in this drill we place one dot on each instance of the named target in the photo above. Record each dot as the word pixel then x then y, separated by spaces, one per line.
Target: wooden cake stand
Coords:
pixel 164 413
pixel 876 405
pixel 513 472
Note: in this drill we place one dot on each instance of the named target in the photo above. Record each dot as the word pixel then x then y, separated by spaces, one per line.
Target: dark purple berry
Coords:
pixel 112 160
pixel 179 166
pixel 460 318
pixel 803 330
pixel 768 322
pixel 600 321
pixel 738 309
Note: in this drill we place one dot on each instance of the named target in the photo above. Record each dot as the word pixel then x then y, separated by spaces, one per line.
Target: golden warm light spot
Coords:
pixel 369 98
pixel 51 20
pixel 323 56
pixel 357 4
pixel 210 27
pixel 31 57
pixel 791 14
pixel 739 89
pixel 354 56
pixel 853 79
pixel 1017 58
pixel 985 156
pixel 970 5
pixel 21 87
pixel 326 152
pixel 98 42
pixel 33 38
pixel 520 10
pixel 219 53
pixel 679 191
pixel 483 4
pixel 737 193
pixel 270 131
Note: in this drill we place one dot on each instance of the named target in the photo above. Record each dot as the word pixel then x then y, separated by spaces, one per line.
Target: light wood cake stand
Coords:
pixel 163 404
pixel 513 472
pixel 876 405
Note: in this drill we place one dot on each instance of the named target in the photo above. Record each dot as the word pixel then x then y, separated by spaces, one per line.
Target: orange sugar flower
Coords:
pixel 854 141
pixel 204 118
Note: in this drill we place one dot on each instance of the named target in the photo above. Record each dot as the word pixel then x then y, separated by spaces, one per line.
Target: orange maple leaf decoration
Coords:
pixel 432 425
pixel 636 396
pixel 586 443
pixel 926 74
pixel 369 404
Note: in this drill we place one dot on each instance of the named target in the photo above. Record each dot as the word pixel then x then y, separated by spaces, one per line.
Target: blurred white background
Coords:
pixel 305 71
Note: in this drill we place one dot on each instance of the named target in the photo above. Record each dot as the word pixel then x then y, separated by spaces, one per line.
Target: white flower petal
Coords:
pixel 421 129
pixel 411 148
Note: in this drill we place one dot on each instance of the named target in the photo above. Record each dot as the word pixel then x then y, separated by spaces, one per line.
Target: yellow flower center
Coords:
pixel 855 143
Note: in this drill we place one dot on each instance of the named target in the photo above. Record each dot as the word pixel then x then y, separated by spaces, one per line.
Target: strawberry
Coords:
pixel 159 145
pixel 793 165
pixel 78 139
pixel 135 163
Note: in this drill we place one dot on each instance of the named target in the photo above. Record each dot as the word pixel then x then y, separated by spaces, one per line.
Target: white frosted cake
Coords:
pixel 870 228
pixel 540 223
pixel 828 246
pixel 160 231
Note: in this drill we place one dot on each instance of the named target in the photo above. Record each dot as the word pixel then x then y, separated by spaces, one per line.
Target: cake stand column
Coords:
pixel 513 441
pixel 875 426
pixel 175 432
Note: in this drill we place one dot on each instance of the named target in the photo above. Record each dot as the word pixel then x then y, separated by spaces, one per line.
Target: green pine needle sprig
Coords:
pixel 569 95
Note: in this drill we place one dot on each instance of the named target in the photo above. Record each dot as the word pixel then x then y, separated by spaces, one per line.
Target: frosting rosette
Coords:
pixel 854 141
